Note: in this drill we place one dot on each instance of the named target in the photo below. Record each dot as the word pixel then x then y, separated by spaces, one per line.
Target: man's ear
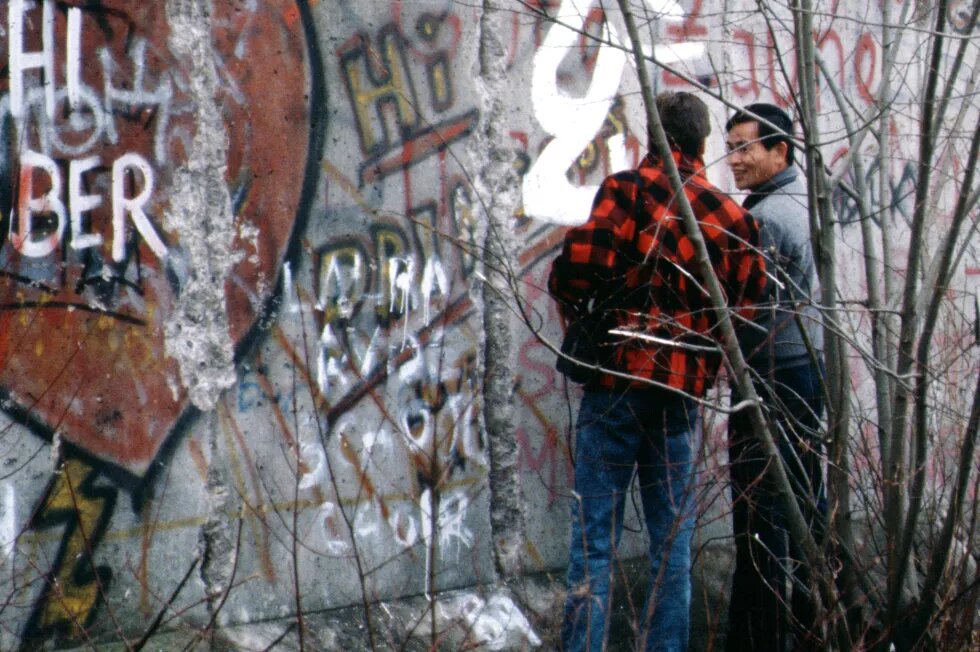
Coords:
pixel 782 148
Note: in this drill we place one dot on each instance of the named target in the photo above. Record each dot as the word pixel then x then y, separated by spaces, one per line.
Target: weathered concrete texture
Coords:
pixel 496 184
pixel 523 618
pixel 197 330
pixel 217 549
pixel 197 333
pixel 481 621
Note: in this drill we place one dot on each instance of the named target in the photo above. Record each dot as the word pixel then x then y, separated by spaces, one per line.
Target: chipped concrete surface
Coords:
pixel 497 184
pixel 197 330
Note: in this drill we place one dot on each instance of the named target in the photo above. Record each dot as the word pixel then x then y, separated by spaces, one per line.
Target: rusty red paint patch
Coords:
pixel 88 270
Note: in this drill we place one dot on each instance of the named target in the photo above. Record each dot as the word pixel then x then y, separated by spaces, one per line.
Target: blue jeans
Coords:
pixel 615 433
pixel 765 613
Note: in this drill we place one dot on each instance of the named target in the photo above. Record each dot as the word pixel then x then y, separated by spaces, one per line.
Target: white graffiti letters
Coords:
pixel 53 139
pixel 36 243
pixel 81 203
pixel 21 61
pixel 121 205
pixel 28 206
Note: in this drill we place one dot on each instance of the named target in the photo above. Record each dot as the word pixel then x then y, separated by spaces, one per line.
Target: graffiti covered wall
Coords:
pixel 249 252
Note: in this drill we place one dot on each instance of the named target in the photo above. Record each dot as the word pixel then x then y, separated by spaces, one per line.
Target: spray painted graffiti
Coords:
pixel 763 72
pixel 901 188
pixel 80 502
pixel 381 84
pixel 98 115
pixel 383 294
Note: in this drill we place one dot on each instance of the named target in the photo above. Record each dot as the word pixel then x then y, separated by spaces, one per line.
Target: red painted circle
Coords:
pixel 82 336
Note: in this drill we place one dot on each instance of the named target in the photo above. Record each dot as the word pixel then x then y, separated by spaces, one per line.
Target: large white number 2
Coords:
pixel 574 121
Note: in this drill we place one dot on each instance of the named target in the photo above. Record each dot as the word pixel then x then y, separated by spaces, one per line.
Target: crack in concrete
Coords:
pixel 196 334
pixel 496 183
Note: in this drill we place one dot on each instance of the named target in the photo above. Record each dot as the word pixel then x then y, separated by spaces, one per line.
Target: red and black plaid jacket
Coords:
pixel 633 259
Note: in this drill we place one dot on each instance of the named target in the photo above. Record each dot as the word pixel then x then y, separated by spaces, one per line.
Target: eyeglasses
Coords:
pixel 740 146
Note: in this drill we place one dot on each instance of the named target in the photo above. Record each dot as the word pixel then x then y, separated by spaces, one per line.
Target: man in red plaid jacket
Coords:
pixel 633 262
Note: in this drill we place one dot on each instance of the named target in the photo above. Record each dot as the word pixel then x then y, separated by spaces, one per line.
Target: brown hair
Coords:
pixel 685 119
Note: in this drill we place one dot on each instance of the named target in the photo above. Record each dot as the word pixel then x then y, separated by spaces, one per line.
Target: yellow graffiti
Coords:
pixel 75 585
pixel 391 83
pixel 441 90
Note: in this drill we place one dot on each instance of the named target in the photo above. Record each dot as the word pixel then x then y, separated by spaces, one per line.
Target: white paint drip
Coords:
pixel 289 289
pixel 371 353
pixel 425 508
pixel 412 368
pixel 8 521
pixel 452 523
pixel 434 279
pixel 401 272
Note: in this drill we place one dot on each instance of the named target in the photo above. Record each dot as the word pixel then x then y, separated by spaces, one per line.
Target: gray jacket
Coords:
pixel 780 207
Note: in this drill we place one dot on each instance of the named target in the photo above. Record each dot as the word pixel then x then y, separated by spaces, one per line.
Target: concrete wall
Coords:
pixel 259 268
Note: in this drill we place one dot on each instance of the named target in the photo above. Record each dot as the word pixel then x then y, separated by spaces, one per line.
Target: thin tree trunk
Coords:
pixel 899 539
pixel 883 323
pixel 838 373
pixel 940 550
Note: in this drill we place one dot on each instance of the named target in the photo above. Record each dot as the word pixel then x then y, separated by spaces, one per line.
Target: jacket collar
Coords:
pixel 769 186
pixel 688 166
